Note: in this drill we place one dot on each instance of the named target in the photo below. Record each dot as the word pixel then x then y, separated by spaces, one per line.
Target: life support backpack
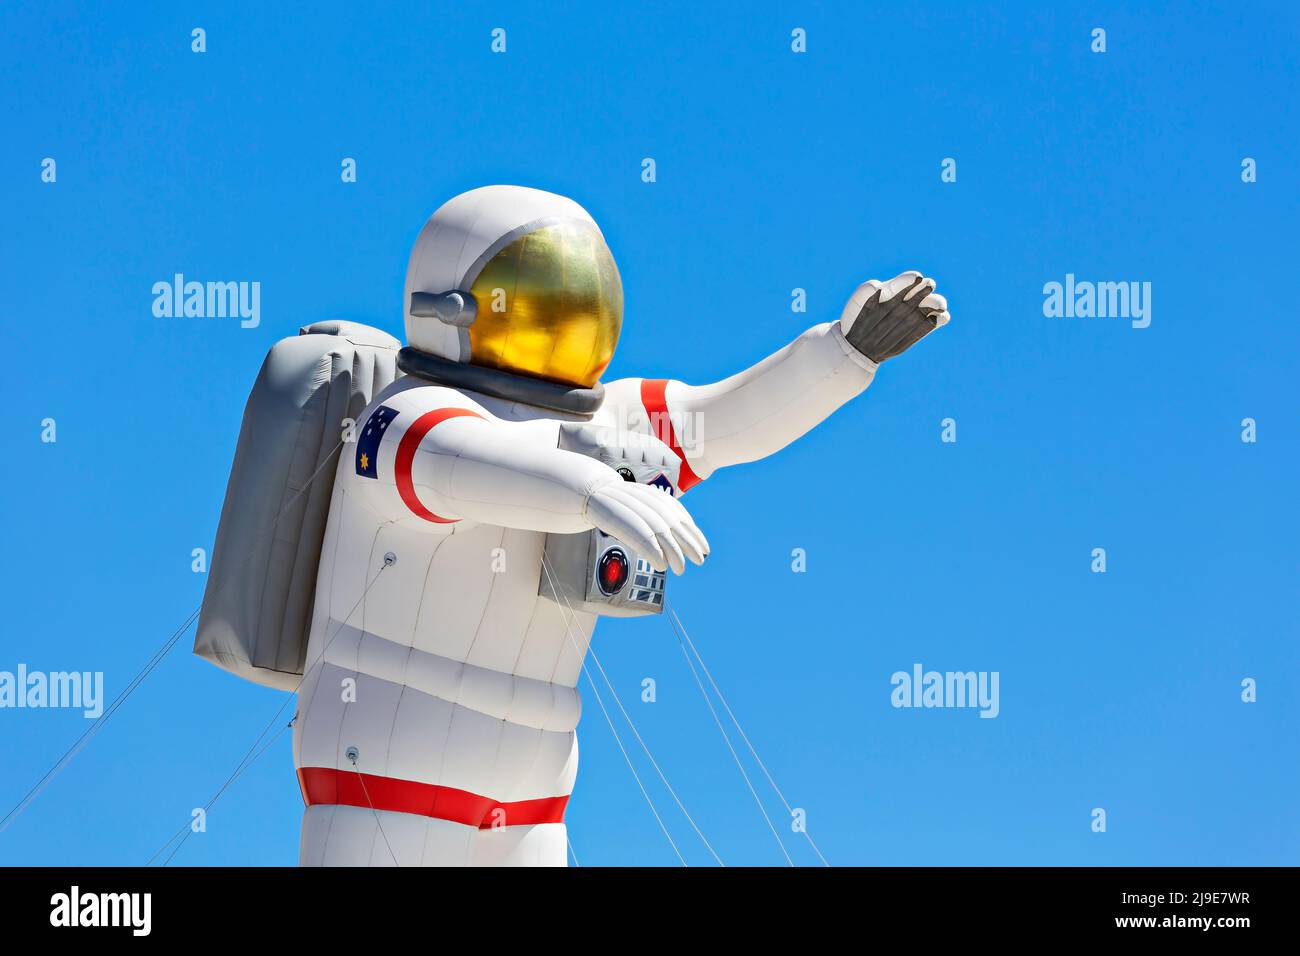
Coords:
pixel 257 607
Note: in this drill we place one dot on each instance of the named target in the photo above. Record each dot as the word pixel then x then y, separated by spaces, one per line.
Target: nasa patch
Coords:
pixel 661 481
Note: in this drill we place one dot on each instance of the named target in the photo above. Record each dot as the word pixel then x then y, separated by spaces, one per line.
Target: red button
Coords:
pixel 612 571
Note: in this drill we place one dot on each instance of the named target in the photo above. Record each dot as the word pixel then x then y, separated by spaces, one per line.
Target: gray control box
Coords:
pixel 597 573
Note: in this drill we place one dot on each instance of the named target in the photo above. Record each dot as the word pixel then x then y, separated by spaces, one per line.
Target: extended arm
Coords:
pixel 761 410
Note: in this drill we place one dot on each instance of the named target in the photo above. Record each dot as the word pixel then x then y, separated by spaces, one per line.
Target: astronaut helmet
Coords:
pixel 518 280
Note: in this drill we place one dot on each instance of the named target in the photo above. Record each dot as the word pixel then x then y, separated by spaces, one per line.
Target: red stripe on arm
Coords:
pixel 655 401
pixel 406 449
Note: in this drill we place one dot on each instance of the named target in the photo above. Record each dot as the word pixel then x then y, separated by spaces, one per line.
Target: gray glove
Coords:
pixel 882 320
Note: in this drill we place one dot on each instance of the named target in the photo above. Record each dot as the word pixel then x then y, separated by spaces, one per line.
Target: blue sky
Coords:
pixel 774 171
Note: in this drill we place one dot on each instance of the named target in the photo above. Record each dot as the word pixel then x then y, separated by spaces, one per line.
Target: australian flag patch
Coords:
pixel 371 436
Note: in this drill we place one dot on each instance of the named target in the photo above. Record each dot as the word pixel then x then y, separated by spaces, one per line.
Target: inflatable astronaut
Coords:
pixel 486 507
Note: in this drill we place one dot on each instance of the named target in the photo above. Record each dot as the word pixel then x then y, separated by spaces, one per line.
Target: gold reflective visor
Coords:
pixel 550 305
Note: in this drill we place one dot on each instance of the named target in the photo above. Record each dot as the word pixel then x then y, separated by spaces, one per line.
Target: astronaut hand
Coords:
pixel 884 319
pixel 647 519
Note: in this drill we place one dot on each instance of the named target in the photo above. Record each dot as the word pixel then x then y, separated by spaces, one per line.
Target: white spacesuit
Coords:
pixel 437 714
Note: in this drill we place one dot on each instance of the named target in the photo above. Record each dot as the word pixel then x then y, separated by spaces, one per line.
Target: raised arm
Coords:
pixel 761 410
pixel 430 458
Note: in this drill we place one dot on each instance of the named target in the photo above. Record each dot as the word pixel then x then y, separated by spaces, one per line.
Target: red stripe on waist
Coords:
pixel 324 785
pixel 406 449
pixel 655 401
